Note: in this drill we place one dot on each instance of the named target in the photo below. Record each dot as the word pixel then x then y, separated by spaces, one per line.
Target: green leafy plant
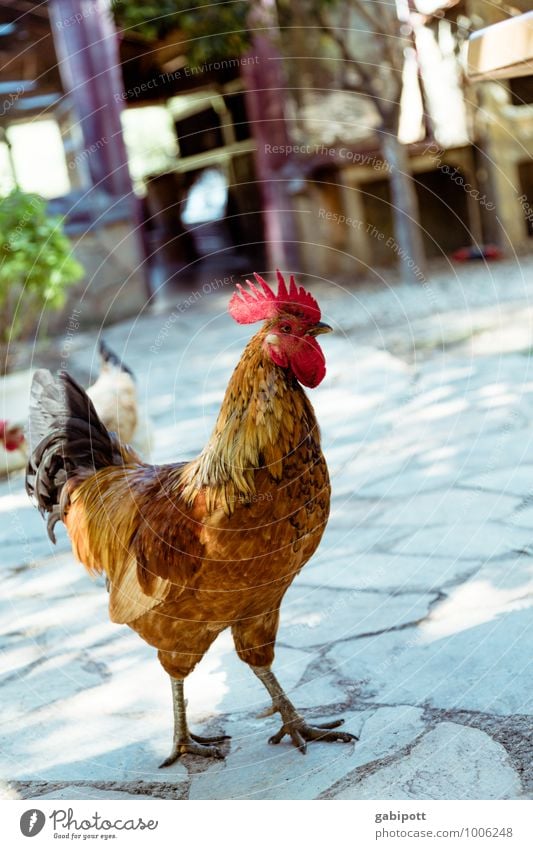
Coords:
pixel 36 265
pixel 211 30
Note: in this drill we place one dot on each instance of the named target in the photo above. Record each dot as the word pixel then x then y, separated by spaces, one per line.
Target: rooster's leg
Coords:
pixel 184 742
pixel 293 724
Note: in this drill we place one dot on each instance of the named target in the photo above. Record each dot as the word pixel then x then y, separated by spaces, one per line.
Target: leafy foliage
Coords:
pixel 36 263
pixel 212 30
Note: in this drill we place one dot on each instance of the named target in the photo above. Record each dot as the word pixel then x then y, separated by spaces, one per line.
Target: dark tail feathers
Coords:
pixel 109 356
pixel 65 436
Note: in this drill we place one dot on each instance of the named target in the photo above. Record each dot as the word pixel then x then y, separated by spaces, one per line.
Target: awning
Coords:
pixel 503 50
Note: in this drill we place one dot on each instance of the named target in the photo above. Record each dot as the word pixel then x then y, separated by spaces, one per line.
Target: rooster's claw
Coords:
pixel 195 745
pixel 301 733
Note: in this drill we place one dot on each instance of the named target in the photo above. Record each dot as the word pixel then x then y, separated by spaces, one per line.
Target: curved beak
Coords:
pixel 318 328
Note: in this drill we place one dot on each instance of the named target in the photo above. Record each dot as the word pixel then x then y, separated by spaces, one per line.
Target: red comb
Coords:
pixel 259 304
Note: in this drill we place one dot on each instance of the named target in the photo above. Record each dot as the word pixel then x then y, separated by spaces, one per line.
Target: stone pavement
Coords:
pixel 413 620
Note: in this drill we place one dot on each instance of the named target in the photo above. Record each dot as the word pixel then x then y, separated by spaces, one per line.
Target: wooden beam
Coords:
pixel 25 7
pixel 503 50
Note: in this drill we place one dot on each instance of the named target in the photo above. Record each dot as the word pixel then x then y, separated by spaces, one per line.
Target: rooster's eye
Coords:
pixel 285 328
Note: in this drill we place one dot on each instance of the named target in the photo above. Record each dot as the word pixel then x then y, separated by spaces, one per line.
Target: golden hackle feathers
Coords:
pixel 259 415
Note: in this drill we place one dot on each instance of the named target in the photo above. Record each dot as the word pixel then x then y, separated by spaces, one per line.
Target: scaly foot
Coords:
pixel 185 743
pixel 193 744
pixel 294 724
pixel 301 733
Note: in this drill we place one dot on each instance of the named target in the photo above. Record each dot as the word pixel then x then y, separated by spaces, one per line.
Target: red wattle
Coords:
pixel 308 363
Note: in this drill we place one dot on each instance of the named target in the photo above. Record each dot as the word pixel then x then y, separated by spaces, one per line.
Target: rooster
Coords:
pixel 190 549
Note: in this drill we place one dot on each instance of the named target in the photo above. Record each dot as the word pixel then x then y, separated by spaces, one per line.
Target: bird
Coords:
pixel 115 398
pixel 12 436
pixel 13 448
pixel 192 548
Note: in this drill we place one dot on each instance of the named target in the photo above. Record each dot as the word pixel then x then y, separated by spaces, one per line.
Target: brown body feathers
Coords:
pixel 190 549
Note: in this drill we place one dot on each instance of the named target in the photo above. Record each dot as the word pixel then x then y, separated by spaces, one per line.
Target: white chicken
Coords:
pixel 114 396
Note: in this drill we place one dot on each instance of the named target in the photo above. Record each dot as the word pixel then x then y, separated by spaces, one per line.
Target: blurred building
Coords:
pixel 470 147
pixel 59 138
pixel 503 129
pixel 150 160
pixel 164 170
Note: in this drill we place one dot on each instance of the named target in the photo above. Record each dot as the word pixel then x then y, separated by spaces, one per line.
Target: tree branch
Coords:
pixel 367 84
pixel 387 30
pixel 362 10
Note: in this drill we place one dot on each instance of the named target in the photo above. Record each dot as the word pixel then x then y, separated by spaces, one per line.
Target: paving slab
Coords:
pixel 393 573
pixel 285 773
pixel 479 633
pixel 450 762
